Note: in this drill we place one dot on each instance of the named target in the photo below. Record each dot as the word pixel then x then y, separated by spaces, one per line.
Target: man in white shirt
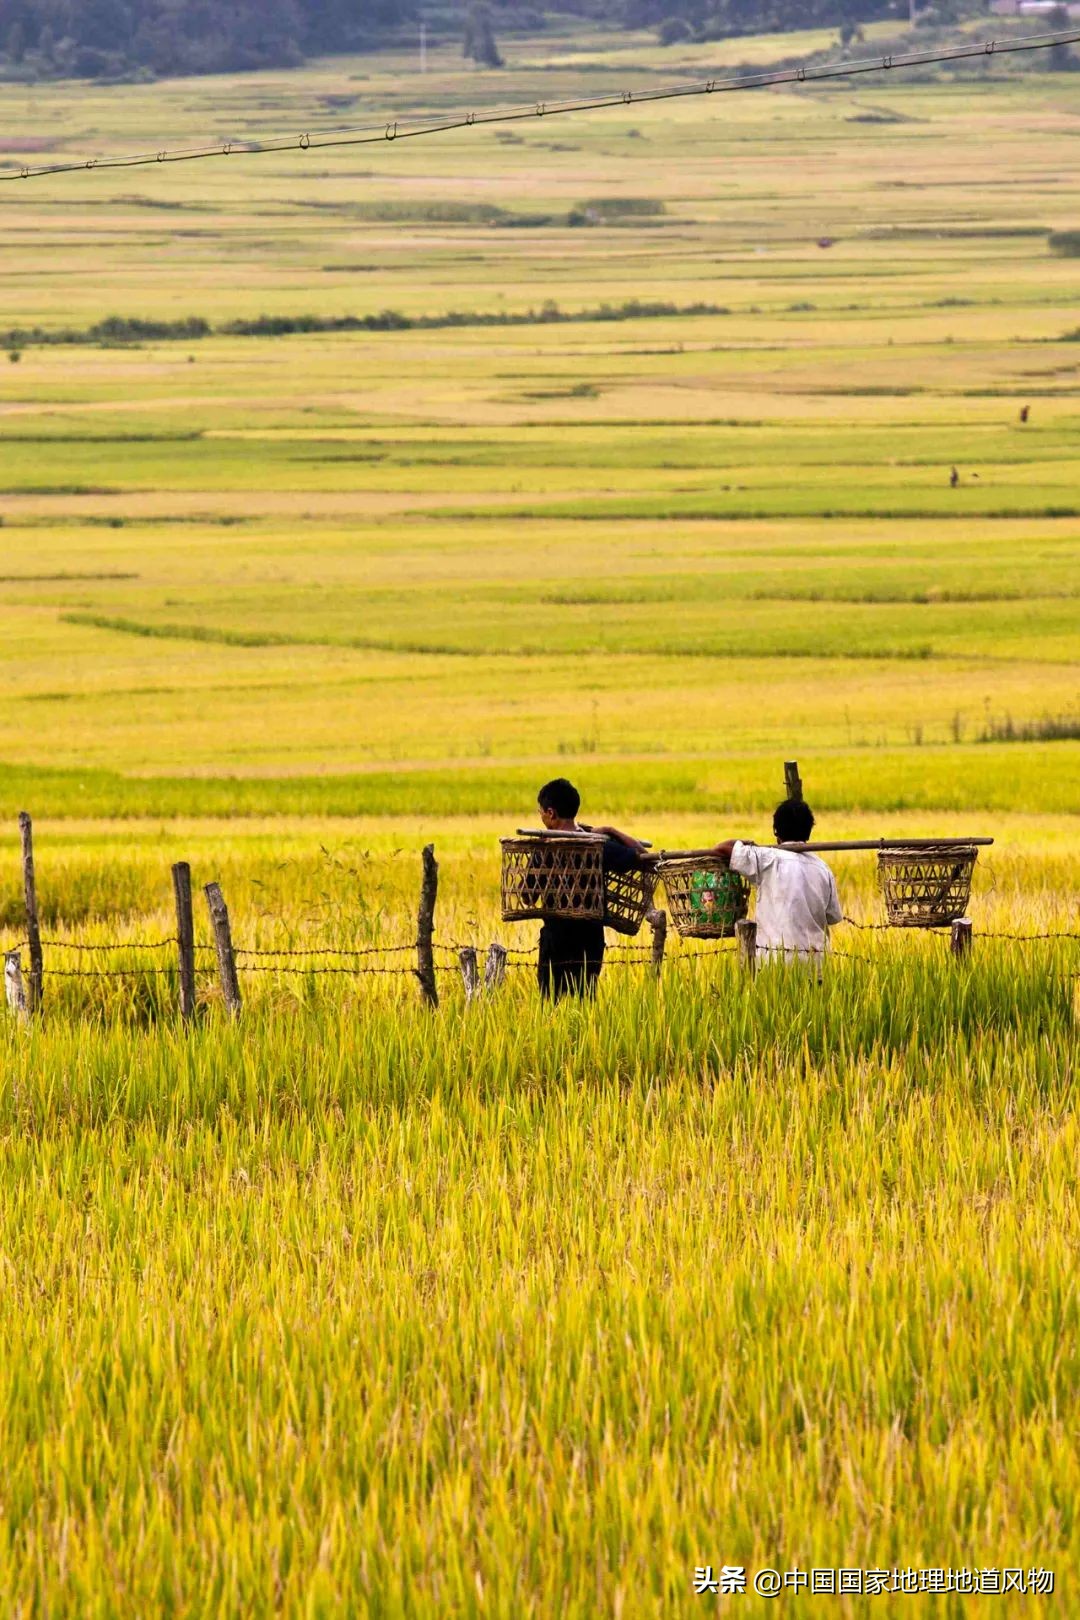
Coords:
pixel 797 900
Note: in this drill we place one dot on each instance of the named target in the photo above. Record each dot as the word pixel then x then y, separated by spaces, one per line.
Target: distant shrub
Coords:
pixel 438 211
pixel 1049 728
pixel 1066 244
pixel 479 43
pixel 134 329
pixel 119 330
pixel 525 222
pixel 622 207
pixel 674 30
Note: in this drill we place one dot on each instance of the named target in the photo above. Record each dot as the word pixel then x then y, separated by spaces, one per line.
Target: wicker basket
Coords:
pixel 926 887
pixel 560 876
pixel 628 898
pixel 705 897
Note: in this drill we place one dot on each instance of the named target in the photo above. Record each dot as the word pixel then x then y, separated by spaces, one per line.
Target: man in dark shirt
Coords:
pixel 572 948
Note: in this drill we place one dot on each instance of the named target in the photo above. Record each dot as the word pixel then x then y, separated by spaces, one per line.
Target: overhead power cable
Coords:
pixel 404 129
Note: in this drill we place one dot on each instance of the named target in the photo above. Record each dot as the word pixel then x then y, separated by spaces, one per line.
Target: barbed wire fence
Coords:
pixel 223 958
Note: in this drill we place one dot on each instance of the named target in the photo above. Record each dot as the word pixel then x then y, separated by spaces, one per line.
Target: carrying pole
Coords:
pixel 851 843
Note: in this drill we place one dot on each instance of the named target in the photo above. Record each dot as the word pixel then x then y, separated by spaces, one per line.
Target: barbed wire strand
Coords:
pixel 351 972
pixel 238 950
pixel 639 953
pixel 404 129
pixel 412 973
pixel 1026 938
pixel 617 956
pixel 111 945
pixel 110 972
pixel 326 950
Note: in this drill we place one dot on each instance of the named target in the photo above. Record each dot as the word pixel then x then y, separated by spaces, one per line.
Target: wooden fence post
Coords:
pixel 470 978
pixel 14 987
pixel 746 934
pixel 219 921
pixel 792 779
pixel 425 928
pixel 657 921
pixel 960 943
pixel 185 938
pixel 33 928
pixel 494 967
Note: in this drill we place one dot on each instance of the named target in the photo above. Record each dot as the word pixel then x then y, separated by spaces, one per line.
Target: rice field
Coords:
pixel 356 1308
pixel 351 1308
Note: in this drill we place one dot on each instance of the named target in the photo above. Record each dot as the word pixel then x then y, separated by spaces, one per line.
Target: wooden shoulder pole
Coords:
pixel 33 927
pixel 219 921
pixel 425 928
pixel 185 939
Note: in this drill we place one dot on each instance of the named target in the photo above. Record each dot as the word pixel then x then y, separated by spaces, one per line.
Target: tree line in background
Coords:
pixel 108 38
pixel 111 39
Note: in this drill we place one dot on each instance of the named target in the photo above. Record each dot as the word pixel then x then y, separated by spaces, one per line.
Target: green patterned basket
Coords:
pixel 705 897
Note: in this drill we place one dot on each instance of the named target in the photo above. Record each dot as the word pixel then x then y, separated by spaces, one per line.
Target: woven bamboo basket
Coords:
pixel 553 877
pixel 628 897
pixel 924 888
pixel 705 898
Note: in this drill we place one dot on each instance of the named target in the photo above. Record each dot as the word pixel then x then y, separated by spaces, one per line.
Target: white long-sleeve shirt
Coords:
pixel 796 902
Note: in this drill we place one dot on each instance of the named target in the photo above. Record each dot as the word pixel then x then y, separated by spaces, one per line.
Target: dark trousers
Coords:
pixel 571 956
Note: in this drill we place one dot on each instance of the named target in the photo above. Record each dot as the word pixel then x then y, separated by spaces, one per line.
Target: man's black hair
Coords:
pixel 793 821
pixel 562 797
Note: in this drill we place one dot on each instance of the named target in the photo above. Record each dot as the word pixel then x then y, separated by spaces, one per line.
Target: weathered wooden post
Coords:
pixel 657 921
pixel 14 987
pixel 792 779
pixel 33 928
pixel 470 977
pixel 494 967
pixel 962 932
pixel 746 935
pixel 425 929
pixel 219 922
pixel 185 939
